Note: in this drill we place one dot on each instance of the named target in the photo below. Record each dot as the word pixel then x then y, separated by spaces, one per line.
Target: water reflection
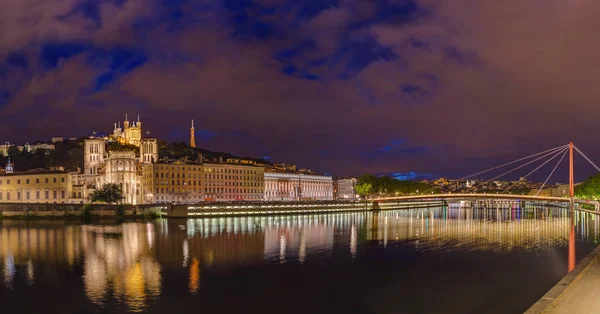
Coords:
pixel 126 263
pixel 115 259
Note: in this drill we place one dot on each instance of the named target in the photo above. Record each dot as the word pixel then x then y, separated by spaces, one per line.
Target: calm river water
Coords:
pixel 439 260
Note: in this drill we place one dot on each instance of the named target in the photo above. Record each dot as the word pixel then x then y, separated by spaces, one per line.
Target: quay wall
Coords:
pixel 45 210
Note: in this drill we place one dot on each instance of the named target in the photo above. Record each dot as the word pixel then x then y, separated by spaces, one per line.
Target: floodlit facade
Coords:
pixel 233 182
pixel 297 186
pixel 122 167
pixel 183 181
pixel 176 181
pixel 130 134
pixel 38 186
pixel 344 188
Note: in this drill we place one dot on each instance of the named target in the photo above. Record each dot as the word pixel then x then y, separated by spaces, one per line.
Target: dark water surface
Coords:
pixel 440 260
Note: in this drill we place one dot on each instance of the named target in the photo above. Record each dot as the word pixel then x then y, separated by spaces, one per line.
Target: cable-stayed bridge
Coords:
pixel 542 158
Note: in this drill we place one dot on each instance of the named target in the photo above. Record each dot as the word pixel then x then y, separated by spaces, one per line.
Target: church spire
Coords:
pixel 192 135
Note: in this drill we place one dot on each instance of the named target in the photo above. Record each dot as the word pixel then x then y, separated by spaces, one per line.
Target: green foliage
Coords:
pixel 364 188
pixel 589 189
pixel 369 184
pixel 110 193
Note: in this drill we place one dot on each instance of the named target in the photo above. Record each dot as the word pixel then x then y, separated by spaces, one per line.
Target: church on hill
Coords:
pixel 130 134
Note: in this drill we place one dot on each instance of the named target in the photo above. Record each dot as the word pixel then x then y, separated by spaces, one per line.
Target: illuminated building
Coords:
pixel 344 188
pixel 229 182
pixel 149 150
pixel 184 181
pixel 177 181
pixel 122 167
pixel 130 134
pixel 37 186
pixel 296 185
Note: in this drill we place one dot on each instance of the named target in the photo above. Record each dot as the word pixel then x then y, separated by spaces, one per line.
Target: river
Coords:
pixel 440 260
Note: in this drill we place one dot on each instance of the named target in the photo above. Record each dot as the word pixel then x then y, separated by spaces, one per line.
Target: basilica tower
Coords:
pixel 192 135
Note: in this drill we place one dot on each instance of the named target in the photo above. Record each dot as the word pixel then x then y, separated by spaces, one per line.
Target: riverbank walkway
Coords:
pixel 578 292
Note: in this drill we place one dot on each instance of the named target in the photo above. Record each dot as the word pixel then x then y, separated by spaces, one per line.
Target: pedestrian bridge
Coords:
pixel 482 196
pixel 473 196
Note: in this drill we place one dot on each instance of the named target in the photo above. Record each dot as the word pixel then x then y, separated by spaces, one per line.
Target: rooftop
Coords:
pixel 36 171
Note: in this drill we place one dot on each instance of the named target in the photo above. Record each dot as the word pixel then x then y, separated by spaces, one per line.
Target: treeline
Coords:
pixel 589 189
pixel 371 185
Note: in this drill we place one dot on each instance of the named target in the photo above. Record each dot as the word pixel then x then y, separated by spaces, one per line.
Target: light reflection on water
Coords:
pixel 125 263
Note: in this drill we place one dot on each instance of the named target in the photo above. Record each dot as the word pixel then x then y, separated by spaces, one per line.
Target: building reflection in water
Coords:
pixel 119 258
pixel 194 276
pixel 124 262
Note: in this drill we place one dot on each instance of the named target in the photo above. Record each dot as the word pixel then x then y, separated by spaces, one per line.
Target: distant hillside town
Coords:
pixel 152 171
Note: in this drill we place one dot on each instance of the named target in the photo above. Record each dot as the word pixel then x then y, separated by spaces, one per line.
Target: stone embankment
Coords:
pixel 17 210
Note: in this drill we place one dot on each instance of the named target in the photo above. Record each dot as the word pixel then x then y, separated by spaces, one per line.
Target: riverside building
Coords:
pixel 344 188
pixel 118 166
pixel 184 181
pixel 53 185
pixel 285 183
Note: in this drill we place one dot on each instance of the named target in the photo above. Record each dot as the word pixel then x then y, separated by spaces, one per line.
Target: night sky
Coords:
pixel 434 87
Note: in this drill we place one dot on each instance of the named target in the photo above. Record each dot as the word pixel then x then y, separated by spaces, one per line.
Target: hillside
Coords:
pixel 69 154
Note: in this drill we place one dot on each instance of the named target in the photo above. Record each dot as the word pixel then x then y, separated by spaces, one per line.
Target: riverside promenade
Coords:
pixel 578 292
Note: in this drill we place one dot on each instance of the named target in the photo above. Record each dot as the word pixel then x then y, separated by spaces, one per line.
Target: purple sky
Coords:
pixel 345 87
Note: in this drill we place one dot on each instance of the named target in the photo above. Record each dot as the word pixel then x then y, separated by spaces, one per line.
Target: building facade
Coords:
pixel 177 181
pixel 233 182
pixel 38 186
pixel 123 167
pixel 296 186
pixel 344 188
pixel 130 134
pixel 183 181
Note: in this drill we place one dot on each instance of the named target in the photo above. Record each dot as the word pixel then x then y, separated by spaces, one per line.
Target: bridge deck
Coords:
pixel 476 196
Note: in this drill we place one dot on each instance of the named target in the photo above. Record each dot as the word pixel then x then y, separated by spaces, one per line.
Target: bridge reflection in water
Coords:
pixel 129 262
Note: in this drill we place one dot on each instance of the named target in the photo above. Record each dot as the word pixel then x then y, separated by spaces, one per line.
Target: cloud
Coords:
pixel 463 80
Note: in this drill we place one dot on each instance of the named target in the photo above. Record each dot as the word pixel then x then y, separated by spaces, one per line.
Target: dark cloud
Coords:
pixel 326 84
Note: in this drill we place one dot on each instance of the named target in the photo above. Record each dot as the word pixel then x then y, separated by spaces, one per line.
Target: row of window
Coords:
pixel 215 170
pixel 208 176
pixel 37 180
pixel 207 190
pixel 37 195
pixel 192 199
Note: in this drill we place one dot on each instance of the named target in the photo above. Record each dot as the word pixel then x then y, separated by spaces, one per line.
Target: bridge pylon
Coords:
pixel 571 176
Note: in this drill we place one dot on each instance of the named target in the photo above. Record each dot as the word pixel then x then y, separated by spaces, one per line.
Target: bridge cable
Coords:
pixel 514 161
pixel 547 161
pixel 586 158
pixel 563 151
pixel 551 173
pixel 523 165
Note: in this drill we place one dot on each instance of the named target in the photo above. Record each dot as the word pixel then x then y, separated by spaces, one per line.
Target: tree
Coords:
pixel 364 189
pixel 109 193
pixel 590 188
